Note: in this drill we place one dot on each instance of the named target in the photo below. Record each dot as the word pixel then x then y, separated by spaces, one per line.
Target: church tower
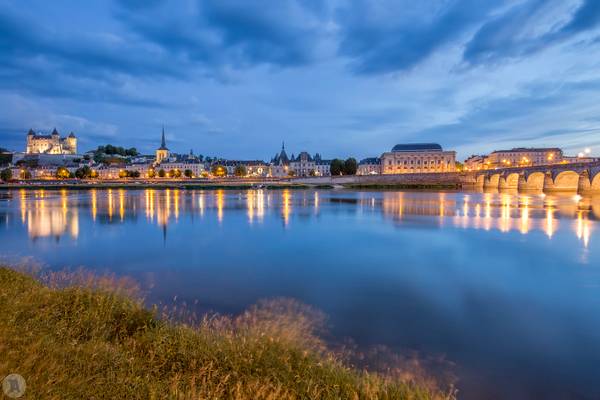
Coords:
pixel 162 153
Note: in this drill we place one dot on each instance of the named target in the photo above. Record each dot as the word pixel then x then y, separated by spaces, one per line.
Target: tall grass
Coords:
pixel 87 341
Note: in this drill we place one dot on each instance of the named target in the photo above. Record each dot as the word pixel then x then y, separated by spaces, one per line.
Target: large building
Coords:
pixel 418 158
pixel 524 157
pixel 162 153
pixel 369 166
pixel 51 144
pixel 302 165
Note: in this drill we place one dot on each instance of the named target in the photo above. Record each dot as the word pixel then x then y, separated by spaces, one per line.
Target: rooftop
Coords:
pixel 527 149
pixel 417 147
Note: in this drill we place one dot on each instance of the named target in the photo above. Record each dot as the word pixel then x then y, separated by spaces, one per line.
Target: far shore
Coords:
pixel 236 184
pixel 410 182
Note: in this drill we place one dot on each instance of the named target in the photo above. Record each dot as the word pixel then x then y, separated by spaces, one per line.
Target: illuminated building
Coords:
pixel 418 158
pixel 50 144
pixel 524 157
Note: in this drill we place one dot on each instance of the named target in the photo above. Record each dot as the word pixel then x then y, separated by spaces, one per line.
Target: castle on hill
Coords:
pixel 51 144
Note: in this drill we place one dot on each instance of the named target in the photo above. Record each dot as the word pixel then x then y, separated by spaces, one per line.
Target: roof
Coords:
pixel 417 147
pixel 282 157
pixel 527 150
pixel 71 135
pixel 370 160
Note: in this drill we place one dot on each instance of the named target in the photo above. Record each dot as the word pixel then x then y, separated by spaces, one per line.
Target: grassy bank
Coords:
pixel 86 341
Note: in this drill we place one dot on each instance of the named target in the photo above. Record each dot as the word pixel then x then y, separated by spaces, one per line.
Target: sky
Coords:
pixel 342 78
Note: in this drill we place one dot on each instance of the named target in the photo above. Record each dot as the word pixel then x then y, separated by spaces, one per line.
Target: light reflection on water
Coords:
pixel 477 277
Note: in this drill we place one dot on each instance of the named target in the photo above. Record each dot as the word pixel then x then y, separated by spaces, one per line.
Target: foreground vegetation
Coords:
pixel 93 339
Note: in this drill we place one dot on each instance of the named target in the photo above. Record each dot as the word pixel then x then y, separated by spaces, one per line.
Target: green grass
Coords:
pixel 94 339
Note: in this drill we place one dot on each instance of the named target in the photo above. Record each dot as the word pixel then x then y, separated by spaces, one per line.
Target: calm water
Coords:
pixel 505 286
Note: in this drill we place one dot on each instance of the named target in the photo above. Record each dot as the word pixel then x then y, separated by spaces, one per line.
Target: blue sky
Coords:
pixel 235 78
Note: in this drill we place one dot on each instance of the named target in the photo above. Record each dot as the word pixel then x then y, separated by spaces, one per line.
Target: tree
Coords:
pixel 350 166
pixel 123 174
pixel 25 174
pixel 161 173
pixel 291 172
pixel 83 172
pixel 240 170
pixel 218 170
pixel 134 174
pixel 312 172
pixel 94 174
pixel 188 173
pixel 62 173
pixel 336 167
pixel 6 175
pixel 151 173
pixel 175 173
pixel 459 166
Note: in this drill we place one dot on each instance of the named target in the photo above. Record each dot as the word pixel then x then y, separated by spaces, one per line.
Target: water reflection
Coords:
pixel 474 276
pixel 53 214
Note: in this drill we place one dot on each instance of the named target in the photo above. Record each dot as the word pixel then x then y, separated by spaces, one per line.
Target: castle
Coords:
pixel 51 144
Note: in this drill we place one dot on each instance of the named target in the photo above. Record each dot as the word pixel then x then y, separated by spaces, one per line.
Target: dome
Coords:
pixel 417 147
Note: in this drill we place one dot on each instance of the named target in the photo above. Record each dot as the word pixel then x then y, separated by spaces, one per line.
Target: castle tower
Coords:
pixel 72 143
pixel 162 153
pixel 30 136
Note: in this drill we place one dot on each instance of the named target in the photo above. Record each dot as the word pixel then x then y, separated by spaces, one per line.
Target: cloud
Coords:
pixel 530 27
pixel 222 34
pixel 50 63
pixel 390 36
pixel 539 114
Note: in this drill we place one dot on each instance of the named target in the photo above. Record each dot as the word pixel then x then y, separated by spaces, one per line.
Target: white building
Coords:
pixel 369 166
pixel 51 144
pixel 303 165
pixel 418 158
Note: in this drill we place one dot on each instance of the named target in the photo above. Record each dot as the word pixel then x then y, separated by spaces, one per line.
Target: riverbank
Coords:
pixel 94 340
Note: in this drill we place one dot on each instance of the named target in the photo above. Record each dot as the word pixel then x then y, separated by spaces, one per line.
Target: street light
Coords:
pixel 587 150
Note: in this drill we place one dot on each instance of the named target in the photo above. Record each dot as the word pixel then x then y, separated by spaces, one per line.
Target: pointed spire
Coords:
pixel 55 132
pixel 283 146
pixel 163 142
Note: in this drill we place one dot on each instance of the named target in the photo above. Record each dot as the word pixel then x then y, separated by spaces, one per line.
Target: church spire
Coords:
pixel 162 142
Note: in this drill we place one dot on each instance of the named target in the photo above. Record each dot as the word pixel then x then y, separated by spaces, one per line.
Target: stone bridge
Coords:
pixel 581 178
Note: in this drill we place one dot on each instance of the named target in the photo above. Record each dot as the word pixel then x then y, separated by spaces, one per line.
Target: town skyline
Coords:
pixel 164 136
pixel 228 81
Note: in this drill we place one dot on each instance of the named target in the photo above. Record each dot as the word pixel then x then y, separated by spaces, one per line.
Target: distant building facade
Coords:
pixel 51 144
pixel 253 167
pixel 369 166
pixel 303 165
pixel 418 158
pixel 476 163
pixel 524 157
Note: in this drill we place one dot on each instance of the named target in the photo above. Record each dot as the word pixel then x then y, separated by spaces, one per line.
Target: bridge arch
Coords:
pixel 595 182
pixel 533 181
pixel 509 181
pixel 492 181
pixel 566 181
